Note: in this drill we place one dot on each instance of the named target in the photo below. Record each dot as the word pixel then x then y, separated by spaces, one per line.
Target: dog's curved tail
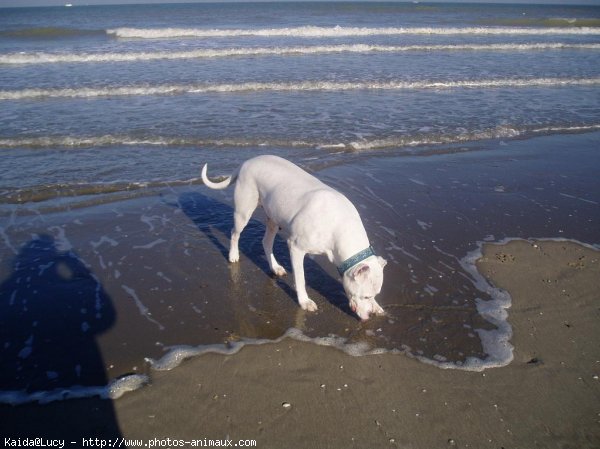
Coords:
pixel 216 185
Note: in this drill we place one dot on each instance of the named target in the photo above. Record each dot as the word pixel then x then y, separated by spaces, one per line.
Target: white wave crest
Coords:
pixel 401 141
pixel 440 139
pixel 500 132
pixel 305 86
pixel 125 140
pixel 46 58
pixel 338 31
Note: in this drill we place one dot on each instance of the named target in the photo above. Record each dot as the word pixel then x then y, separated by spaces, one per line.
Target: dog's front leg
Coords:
pixel 268 240
pixel 297 258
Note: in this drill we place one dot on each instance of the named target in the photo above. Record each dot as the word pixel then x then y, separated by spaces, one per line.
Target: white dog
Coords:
pixel 318 220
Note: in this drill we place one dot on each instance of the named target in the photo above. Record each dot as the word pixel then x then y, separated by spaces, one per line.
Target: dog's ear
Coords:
pixel 359 271
pixel 381 261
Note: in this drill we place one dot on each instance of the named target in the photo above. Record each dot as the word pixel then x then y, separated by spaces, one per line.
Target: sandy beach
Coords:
pixel 547 397
pixel 152 275
pixel 294 394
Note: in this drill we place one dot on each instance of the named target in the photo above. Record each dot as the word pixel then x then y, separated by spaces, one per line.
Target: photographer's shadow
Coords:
pixel 215 219
pixel 52 308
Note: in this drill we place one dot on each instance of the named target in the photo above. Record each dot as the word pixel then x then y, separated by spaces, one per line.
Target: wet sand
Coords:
pixel 547 397
pixel 151 274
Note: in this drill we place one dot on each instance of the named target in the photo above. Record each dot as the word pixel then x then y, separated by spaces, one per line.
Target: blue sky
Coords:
pixel 107 2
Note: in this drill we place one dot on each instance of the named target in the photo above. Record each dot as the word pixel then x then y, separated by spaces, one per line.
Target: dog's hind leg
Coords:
pixel 297 257
pixel 268 240
pixel 245 201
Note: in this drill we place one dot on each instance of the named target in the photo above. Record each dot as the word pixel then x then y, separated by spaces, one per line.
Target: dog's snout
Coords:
pixel 364 315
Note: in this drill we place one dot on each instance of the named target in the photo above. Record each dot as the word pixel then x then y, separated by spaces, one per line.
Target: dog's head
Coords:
pixel 362 283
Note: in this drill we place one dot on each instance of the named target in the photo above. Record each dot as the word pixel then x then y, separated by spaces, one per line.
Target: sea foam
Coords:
pixel 338 31
pixel 408 139
pixel 303 86
pixel 113 390
pixel 52 58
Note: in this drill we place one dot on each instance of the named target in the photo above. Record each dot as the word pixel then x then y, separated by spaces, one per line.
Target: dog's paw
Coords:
pixel 279 271
pixel 308 305
pixel 234 257
pixel 378 310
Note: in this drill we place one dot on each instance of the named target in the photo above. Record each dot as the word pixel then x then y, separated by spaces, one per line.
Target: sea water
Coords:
pixel 98 103
pixel 161 83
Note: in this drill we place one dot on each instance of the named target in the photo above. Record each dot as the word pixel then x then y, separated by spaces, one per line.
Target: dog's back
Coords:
pixel 286 190
pixel 275 173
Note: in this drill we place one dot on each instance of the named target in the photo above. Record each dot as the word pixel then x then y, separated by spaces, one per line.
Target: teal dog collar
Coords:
pixel 358 257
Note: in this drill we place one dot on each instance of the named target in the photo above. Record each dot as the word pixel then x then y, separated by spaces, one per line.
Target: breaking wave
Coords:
pixel 303 86
pixel 501 132
pixel 409 140
pixel 559 26
pixel 338 31
pixel 124 140
pixel 45 58
pixel 404 143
